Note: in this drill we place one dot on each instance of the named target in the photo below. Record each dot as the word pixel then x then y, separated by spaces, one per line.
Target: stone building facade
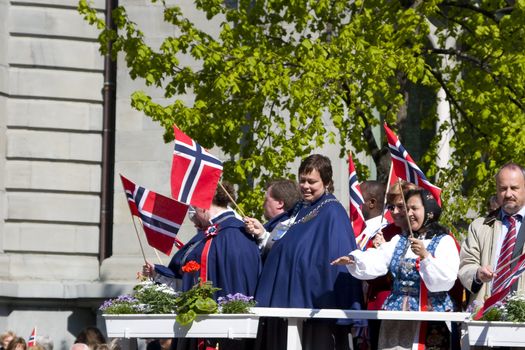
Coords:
pixel 52 273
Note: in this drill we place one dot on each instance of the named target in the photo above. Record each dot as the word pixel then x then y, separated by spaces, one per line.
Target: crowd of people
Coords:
pixel 305 256
pixel 89 338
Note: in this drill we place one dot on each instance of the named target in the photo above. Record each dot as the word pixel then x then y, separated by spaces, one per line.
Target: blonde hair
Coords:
pixel 394 192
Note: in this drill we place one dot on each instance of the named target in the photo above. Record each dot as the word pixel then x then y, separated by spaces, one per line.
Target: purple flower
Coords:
pixel 234 297
pixel 118 300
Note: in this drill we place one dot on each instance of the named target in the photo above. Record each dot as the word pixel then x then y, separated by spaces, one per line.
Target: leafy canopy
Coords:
pixel 279 78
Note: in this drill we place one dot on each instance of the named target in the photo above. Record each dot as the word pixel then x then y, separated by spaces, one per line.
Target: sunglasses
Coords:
pixel 399 207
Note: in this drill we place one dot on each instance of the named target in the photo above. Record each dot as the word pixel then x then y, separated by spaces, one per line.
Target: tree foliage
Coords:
pixel 283 77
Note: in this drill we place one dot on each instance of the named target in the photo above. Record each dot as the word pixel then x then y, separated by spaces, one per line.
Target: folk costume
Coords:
pixel 378 289
pixel 297 270
pixel 418 284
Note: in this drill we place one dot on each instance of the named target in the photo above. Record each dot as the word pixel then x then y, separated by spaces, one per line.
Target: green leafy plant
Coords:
pixel 159 298
pixel 153 298
pixel 197 300
pixel 269 82
pixel 149 298
pixel 511 309
pixel 514 308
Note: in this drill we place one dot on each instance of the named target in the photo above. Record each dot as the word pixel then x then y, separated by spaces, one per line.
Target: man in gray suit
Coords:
pixel 481 250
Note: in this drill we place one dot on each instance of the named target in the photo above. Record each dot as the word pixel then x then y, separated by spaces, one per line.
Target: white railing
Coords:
pixel 245 326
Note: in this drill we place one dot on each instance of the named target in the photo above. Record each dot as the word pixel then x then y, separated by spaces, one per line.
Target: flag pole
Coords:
pixel 135 226
pixel 507 264
pixel 138 237
pixel 405 207
pixel 233 200
pixel 157 254
pixel 386 192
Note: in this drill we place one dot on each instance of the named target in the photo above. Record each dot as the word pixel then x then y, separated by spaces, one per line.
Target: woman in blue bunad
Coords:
pixel 424 263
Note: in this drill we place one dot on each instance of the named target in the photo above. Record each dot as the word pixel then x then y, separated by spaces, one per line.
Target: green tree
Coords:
pixel 285 76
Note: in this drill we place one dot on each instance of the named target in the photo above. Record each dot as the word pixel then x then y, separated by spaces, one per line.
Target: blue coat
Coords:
pixel 233 264
pixel 297 271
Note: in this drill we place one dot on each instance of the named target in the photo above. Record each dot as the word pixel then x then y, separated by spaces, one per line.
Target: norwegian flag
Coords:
pixel 505 288
pixel 356 201
pixel 32 338
pixel 161 216
pixel 194 172
pixel 405 168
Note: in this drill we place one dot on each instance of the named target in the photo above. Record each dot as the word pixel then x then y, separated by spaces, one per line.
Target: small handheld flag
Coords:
pixel 405 168
pixel 32 338
pixel 356 201
pixel 504 290
pixel 195 172
pixel 161 216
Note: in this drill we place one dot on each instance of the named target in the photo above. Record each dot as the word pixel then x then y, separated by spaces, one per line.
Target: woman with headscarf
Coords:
pixel 423 261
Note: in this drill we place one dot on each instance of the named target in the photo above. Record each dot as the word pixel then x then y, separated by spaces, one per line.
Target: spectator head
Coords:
pixel 373 197
pixel 44 342
pixel 91 336
pixel 510 188
pixel 224 197
pixel 315 177
pixel 281 196
pixel 6 337
pixel 395 203
pixel 79 346
pixel 18 343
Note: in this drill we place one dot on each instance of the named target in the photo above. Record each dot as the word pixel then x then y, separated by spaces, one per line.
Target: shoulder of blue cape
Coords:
pixel 236 224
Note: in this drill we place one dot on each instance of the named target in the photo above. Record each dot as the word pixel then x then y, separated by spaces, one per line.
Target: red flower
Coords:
pixel 191 266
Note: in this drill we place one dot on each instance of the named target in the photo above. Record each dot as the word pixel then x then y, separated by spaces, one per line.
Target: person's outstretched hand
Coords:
pixel 343 260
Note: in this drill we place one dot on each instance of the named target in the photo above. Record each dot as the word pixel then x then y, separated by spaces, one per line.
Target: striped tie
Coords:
pixel 505 255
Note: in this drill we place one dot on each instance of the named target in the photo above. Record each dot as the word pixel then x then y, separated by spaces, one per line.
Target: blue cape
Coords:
pixel 270 225
pixel 297 271
pixel 234 263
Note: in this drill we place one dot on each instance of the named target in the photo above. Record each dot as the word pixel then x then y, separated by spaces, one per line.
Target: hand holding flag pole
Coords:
pixel 500 268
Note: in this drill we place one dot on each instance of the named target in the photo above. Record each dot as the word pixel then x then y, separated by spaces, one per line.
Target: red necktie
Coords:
pixel 505 255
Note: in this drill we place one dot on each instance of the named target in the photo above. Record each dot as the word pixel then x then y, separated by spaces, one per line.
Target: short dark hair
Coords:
pixel 221 198
pixel 374 189
pixel 286 191
pixel 91 336
pixel 323 165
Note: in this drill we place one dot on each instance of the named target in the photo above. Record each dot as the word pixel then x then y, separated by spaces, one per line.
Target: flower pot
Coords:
pixel 165 326
pixel 492 333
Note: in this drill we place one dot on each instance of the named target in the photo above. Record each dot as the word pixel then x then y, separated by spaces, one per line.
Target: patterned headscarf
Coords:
pixel 431 207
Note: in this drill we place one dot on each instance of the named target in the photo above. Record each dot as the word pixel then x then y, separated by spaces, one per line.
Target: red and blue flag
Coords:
pixel 405 168
pixel 195 172
pixel 506 285
pixel 32 338
pixel 356 202
pixel 161 216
